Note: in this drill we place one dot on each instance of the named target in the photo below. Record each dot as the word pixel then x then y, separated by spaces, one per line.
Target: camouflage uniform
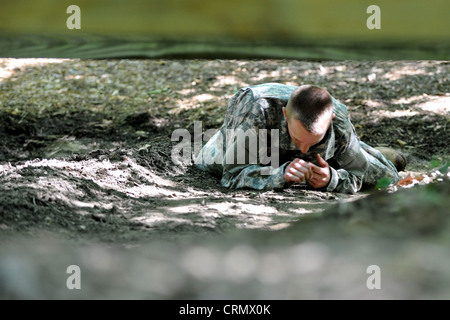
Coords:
pixel 351 161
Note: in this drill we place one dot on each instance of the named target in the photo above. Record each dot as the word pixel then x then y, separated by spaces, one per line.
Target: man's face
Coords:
pixel 303 138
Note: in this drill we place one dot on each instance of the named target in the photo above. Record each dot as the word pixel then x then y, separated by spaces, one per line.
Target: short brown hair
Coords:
pixel 308 103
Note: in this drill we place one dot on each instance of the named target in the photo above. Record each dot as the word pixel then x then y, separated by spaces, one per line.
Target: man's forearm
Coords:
pixel 250 176
pixel 344 181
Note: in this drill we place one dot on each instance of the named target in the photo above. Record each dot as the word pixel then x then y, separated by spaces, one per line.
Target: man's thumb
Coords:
pixel 321 162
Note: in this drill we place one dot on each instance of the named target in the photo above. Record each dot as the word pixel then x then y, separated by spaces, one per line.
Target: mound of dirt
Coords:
pixel 403 236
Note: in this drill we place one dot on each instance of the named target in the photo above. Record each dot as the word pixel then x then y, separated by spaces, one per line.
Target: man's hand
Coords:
pixel 298 170
pixel 321 175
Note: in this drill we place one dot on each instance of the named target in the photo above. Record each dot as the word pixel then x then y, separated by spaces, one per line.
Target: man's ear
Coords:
pixel 334 115
pixel 285 113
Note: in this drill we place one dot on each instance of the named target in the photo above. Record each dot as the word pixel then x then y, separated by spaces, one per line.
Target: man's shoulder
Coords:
pixel 259 104
pixel 271 90
pixel 340 109
pixel 343 127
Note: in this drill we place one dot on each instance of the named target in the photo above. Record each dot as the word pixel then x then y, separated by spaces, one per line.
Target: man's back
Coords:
pixel 261 107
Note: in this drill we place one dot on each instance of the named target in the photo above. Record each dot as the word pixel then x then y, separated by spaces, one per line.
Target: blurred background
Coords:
pixel 322 29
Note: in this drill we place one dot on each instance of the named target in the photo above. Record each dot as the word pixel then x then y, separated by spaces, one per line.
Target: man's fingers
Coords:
pixel 306 170
pixel 321 162
pixel 318 170
pixel 300 170
pixel 297 173
pixel 317 180
pixel 314 182
pixel 303 162
pixel 292 177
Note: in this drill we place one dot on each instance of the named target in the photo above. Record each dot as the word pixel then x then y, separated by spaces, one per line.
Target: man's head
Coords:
pixel 308 113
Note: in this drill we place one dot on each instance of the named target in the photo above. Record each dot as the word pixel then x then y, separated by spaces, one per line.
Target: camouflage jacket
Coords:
pixel 260 107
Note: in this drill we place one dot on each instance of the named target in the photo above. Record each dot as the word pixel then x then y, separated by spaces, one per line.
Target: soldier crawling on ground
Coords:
pixel 317 144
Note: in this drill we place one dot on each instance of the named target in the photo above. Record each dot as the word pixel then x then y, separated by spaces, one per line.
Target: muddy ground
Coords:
pixel 87 176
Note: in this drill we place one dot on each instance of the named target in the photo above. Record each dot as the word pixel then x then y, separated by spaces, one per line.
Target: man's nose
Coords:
pixel 304 148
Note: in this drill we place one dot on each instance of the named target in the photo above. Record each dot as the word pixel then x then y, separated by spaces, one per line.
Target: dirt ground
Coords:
pixel 85 145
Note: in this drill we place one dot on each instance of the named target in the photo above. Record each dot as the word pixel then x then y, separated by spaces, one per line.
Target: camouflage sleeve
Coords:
pixel 352 164
pixel 250 175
